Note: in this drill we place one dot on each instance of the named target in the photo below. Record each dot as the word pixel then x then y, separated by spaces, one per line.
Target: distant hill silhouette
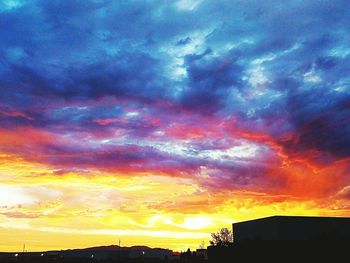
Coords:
pixel 114 252
pixel 108 248
pixel 104 253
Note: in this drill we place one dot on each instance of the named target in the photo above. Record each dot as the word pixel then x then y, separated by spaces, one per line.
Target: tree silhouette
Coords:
pixel 222 238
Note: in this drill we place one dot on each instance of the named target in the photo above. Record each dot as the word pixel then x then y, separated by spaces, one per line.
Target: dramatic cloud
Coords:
pixel 203 111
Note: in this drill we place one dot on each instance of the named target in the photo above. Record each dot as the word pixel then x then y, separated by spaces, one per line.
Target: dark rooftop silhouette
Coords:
pixel 291 228
pixel 287 239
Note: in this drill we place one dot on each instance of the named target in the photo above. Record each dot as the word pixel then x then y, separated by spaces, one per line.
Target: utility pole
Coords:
pixel 119 252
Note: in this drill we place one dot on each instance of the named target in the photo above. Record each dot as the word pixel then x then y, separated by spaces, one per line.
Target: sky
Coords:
pixel 158 122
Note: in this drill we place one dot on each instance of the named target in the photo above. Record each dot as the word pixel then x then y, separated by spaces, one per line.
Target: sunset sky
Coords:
pixel 158 122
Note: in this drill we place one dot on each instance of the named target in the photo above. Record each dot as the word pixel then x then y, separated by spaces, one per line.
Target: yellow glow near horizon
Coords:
pixel 82 210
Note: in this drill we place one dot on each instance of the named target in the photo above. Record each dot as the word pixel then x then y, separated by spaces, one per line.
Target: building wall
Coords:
pixel 279 228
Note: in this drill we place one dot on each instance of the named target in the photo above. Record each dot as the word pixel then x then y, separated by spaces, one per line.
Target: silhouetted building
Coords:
pixel 287 239
pixel 198 256
pixel 202 253
pixel 292 228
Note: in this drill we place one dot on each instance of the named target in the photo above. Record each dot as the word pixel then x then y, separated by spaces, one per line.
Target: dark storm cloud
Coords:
pixel 320 119
pixel 210 81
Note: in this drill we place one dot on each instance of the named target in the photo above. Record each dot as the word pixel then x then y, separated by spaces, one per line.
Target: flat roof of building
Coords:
pixel 296 218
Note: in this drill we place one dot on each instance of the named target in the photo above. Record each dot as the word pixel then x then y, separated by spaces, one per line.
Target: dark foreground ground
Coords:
pixel 44 259
pixel 247 252
pixel 282 252
pixel 77 260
